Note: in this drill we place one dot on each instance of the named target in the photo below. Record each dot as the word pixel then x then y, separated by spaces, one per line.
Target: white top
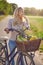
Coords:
pixel 17 27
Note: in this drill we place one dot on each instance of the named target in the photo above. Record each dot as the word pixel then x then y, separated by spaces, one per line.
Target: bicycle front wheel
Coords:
pixel 2 55
pixel 27 59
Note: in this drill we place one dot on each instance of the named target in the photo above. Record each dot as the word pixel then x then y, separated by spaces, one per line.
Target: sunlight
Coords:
pixel 38 4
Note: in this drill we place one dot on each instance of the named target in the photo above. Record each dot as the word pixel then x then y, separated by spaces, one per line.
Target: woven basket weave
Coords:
pixel 28 46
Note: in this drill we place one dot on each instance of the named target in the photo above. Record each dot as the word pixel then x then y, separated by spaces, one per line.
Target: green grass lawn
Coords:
pixel 36 25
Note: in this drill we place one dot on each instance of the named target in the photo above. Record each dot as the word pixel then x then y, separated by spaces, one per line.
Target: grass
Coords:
pixel 36 24
pixel 41 47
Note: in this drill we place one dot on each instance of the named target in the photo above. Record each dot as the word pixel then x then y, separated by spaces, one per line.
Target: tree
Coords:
pixel 26 10
pixel 33 11
pixel 41 12
pixel 13 6
pixel 6 8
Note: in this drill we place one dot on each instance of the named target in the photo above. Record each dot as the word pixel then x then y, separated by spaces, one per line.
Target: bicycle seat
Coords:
pixel 2 39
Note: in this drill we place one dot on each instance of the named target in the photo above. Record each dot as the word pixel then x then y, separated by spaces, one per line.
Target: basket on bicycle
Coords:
pixel 28 46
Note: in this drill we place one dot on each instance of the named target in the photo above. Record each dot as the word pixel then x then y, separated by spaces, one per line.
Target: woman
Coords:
pixel 17 23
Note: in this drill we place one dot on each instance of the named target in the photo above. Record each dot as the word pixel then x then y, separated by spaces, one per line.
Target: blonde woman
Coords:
pixel 17 23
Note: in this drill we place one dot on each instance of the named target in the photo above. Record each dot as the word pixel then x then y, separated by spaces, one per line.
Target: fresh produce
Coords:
pixel 33 38
pixel 20 38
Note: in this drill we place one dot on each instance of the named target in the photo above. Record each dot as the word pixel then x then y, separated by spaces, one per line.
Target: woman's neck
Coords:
pixel 19 20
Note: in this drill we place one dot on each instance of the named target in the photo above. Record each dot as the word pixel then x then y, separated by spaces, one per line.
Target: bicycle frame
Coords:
pixel 8 61
pixel 7 56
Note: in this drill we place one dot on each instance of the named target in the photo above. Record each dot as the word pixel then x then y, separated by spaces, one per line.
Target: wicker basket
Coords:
pixel 28 46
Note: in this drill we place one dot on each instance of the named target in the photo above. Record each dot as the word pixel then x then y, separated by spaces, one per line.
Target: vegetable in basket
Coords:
pixel 20 38
pixel 33 38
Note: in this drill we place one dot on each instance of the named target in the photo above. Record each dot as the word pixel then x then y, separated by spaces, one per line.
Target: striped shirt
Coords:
pixel 17 27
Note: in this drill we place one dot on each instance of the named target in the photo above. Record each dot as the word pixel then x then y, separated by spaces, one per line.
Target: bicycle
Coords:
pixel 22 50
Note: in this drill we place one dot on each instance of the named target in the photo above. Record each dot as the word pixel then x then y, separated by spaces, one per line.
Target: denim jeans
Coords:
pixel 12 45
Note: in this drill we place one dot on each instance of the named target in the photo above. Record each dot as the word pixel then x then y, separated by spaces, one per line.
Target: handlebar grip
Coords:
pixel 14 30
pixel 11 29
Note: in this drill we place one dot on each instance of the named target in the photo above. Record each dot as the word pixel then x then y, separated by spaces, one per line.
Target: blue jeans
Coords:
pixel 12 45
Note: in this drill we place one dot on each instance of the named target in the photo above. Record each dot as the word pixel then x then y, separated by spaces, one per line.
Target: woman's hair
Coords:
pixel 16 12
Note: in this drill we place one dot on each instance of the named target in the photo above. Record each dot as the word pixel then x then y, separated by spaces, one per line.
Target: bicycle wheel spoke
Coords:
pixel 27 60
pixel 2 55
pixel 18 60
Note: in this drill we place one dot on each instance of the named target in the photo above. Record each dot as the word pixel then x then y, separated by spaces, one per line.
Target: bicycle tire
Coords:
pixel 2 55
pixel 27 60
pixel 18 60
pixel 1 46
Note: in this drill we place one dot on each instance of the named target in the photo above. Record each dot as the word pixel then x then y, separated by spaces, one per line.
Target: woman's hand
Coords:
pixel 6 30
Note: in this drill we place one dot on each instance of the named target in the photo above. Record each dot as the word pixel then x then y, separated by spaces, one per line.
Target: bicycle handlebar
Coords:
pixel 19 31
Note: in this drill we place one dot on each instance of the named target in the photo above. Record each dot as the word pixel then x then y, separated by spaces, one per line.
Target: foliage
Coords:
pixel 6 8
pixel 33 11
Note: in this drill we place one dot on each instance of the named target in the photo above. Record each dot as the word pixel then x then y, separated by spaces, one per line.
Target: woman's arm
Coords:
pixel 9 26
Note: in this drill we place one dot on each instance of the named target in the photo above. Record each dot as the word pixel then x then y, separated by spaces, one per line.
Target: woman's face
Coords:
pixel 20 13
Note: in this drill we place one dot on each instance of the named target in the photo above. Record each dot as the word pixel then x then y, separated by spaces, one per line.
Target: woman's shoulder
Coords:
pixel 11 20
